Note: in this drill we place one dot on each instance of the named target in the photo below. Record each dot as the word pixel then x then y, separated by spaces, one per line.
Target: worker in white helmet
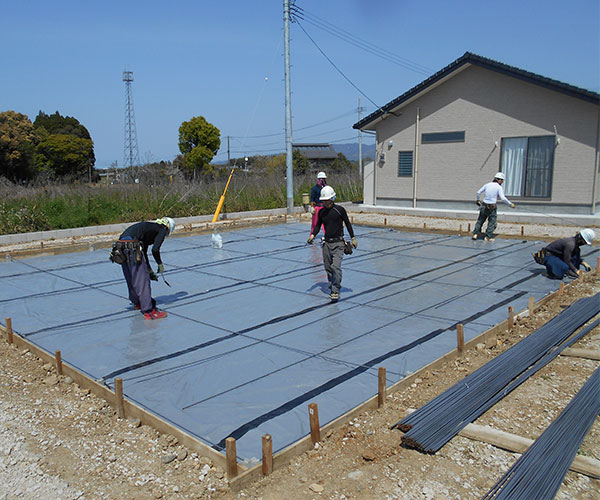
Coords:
pixel 315 203
pixel 131 251
pixel 492 191
pixel 563 257
pixel 332 217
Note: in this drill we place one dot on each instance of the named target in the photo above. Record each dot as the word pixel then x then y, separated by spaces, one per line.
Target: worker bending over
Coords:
pixel 563 257
pixel 492 191
pixel 131 251
pixel 332 216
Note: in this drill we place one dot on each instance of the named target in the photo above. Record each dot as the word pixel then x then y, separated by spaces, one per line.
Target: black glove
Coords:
pixel 478 203
pixel 310 239
pixel 153 276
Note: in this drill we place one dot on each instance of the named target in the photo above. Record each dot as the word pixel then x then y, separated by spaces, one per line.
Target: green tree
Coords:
pixel 17 141
pixel 300 163
pixel 57 124
pixel 64 155
pixel 341 163
pixel 199 142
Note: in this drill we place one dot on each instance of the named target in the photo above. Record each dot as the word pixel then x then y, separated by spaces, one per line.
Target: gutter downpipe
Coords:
pixel 596 165
pixel 417 125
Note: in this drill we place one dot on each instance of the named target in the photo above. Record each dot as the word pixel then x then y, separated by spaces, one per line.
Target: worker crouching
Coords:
pixel 131 251
pixel 563 257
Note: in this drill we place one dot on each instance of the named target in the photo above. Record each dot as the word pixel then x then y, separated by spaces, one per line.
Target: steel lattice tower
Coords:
pixel 131 154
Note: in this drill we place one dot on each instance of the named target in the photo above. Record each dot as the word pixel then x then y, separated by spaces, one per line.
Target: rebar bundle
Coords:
pixel 435 423
pixel 539 472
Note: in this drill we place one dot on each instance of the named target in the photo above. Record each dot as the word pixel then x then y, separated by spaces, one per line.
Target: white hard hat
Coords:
pixel 588 235
pixel 167 221
pixel 327 193
pixel 499 175
pixel 321 175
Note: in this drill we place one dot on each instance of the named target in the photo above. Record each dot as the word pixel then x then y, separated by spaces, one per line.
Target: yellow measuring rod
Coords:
pixel 222 200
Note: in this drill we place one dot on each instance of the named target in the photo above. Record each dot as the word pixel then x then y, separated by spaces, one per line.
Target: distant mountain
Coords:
pixel 350 150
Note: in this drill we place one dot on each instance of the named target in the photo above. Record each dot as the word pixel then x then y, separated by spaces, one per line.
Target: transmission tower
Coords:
pixel 131 153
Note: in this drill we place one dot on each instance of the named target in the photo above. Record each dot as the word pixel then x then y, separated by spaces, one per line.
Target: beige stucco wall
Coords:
pixel 488 106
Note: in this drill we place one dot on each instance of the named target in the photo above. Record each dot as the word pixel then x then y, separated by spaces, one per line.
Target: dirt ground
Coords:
pixel 58 441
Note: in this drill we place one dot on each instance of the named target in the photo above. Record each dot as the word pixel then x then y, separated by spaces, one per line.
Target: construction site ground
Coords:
pixel 59 441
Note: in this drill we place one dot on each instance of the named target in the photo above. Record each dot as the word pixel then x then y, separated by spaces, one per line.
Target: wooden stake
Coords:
pixel 231 455
pixel 9 331
pixel 352 220
pixel 511 317
pixel 315 429
pixel 381 386
pixel 385 221
pixel 531 300
pixel 58 358
pixel 285 218
pixel 119 397
pixel 522 231
pixel 598 265
pixel 561 288
pixel 42 244
pixel 424 225
pixel 460 338
pixel 580 273
pixel 460 229
pixel 267 455
pixel 469 227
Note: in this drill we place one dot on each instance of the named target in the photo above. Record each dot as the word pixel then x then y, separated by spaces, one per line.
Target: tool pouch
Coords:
pixel 348 248
pixel 489 208
pixel 117 255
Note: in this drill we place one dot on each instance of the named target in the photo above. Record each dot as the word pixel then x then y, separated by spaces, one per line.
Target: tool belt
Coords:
pixel 333 240
pixel 489 207
pixel 539 256
pixel 123 249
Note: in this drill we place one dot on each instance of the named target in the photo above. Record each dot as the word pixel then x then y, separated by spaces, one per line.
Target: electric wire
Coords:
pixel 435 423
pixel 302 14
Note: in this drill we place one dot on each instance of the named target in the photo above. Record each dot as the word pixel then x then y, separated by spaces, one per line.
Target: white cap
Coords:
pixel 499 175
pixel 588 235
pixel 321 175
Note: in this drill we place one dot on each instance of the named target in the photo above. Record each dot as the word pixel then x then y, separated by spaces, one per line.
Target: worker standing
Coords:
pixel 563 257
pixel 332 217
pixel 492 191
pixel 131 251
pixel 315 203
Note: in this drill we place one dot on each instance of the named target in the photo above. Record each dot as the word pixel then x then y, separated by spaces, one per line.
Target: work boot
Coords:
pixel 334 296
pixel 155 314
pixel 489 238
pixel 136 307
pixel 474 237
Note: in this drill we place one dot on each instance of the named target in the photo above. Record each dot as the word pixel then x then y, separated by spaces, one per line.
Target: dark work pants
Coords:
pixel 491 216
pixel 138 282
pixel 332 260
pixel 557 267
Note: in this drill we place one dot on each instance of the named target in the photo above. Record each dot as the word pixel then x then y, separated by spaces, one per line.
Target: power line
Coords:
pixel 337 69
pixel 360 43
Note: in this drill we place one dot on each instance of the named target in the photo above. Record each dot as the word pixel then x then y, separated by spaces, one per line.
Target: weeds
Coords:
pixel 27 209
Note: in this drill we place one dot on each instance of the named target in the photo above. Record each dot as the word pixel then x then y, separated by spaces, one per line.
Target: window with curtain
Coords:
pixel 527 163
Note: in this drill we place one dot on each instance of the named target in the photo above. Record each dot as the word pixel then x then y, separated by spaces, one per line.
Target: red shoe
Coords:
pixel 155 314
pixel 136 307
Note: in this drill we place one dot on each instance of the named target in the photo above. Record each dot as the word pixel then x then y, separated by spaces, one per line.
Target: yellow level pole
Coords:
pixel 222 200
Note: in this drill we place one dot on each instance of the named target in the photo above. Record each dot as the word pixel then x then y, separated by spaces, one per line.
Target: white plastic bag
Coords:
pixel 217 241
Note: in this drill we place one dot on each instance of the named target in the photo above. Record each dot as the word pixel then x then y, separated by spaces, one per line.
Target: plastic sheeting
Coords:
pixel 251 337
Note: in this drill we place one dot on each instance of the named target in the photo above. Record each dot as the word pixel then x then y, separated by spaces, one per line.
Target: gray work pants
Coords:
pixel 332 260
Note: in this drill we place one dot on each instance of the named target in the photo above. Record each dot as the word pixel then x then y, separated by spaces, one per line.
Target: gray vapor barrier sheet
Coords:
pixel 251 337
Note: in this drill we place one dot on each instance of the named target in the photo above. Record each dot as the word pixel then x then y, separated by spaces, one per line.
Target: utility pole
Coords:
pixel 131 153
pixel 289 164
pixel 228 153
pixel 360 163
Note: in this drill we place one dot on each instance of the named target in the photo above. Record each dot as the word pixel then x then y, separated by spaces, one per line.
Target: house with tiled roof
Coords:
pixel 440 141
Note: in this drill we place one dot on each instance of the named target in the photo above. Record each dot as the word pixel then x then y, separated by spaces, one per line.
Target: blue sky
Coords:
pixel 224 60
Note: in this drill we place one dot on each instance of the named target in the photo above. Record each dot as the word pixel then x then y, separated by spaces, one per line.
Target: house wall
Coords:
pixel 488 106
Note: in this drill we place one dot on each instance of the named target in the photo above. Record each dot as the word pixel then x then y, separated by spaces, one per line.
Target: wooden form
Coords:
pixel 244 476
